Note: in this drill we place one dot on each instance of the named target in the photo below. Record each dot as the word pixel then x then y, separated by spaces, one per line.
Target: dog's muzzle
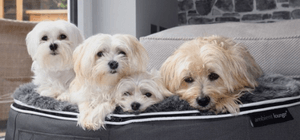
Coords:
pixel 135 106
pixel 113 65
pixel 53 48
pixel 203 101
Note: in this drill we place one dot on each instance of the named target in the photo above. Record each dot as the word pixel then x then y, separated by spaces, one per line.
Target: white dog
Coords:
pixel 138 91
pixel 99 63
pixel 50 45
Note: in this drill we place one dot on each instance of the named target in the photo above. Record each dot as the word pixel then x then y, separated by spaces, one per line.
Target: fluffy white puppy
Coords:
pixel 136 92
pixel 50 45
pixel 99 63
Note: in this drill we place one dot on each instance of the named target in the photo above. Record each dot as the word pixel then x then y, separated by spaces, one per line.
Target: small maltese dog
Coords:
pixel 137 92
pixel 50 45
pixel 99 63
pixel 211 73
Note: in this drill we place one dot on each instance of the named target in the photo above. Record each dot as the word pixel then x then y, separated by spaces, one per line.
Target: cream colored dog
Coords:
pixel 211 73
pixel 100 62
pixel 137 92
pixel 50 45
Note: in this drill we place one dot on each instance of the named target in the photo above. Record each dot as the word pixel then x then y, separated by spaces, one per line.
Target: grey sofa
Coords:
pixel 275 46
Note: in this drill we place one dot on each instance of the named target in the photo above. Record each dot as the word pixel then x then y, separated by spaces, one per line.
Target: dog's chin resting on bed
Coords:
pixel 270 86
pixel 211 73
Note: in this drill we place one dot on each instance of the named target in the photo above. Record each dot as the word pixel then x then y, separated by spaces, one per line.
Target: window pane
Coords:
pixel 34 10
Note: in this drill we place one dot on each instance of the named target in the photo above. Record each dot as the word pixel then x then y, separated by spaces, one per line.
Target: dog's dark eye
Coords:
pixel 189 80
pixel 122 52
pixel 62 36
pixel 100 54
pixel 127 94
pixel 148 94
pixel 45 38
pixel 213 76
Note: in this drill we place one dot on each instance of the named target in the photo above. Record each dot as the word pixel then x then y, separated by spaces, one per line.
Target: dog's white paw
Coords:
pixel 64 97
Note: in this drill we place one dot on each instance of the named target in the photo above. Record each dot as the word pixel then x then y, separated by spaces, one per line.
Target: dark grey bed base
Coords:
pixel 23 126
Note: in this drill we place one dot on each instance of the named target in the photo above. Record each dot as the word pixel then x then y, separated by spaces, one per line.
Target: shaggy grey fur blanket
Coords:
pixel 26 94
pixel 271 86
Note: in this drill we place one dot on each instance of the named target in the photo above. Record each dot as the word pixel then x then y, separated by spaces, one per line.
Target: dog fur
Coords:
pixel 99 63
pixel 211 73
pixel 138 91
pixel 50 45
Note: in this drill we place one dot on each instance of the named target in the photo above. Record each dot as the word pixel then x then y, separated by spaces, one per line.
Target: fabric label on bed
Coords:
pixel 270 117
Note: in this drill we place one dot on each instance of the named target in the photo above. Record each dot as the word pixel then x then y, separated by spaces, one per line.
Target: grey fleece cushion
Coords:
pixel 275 46
pixel 26 94
pixel 270 87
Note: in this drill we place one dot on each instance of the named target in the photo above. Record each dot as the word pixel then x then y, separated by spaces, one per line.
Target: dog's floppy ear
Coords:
pixel 83 62
pixel 77 57
pixel 32 42
pixel 156 76
pixel 252 67
pixel 139 56
pixel 239 67
pixel 78 36
pixel 170 72
pixel 77 60
pixel 244 70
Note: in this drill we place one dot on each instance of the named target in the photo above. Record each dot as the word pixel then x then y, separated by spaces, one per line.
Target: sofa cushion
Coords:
pixel 275 46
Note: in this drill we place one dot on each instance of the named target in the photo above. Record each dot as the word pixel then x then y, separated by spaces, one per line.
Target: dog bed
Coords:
pixel 263 112
pixel 272 111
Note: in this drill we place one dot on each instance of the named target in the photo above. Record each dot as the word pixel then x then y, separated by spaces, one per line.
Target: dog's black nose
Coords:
pixel 53 47
pixel 204 101
pixel 113 64
pixel 135 106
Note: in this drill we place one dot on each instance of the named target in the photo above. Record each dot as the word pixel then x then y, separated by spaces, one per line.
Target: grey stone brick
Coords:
pixel 296 14
pixel 225 5
pixel 200 20
pixel 281 15
pixel 249 17
pixel 243 5
pixel 204 6
pixel 262 5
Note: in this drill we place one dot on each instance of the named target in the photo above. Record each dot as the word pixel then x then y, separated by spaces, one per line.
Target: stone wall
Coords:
pixel 216 11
